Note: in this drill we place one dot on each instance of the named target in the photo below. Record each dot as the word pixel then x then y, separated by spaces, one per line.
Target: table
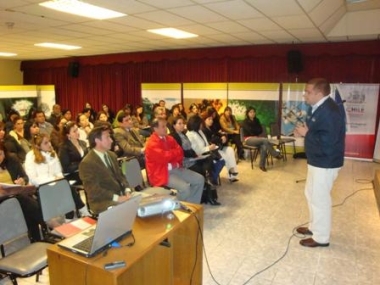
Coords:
pixel 167 251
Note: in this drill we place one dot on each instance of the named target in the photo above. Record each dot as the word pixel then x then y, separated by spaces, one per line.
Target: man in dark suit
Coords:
pixel 103 181
pixel 129 139
pixel 324 134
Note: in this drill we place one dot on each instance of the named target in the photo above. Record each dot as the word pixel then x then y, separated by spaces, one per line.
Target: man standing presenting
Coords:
pixel 164 165
pixel 324 134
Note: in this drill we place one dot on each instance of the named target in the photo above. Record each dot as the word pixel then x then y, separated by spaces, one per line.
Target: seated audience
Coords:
pixel 110 114
pixel 220 140
pixel 18 133
pixel 128 139
pixel 71 152
pixel 89 112
pixel 9 120
pixel 174 112
pixel 30 130
pixel 252 129
pixel 164 158
pixel 140 121
pixel 85 126
pixel 230 126
pixel 102 178
pixel 201 166
pixel 42 165
pixel 159 113
pixel 102 116
pixel 44 126
pixel 11 145
pixel 55 114
pixel 12 172
pixel 162 104
pixel 193 111
pixel 66 113
pixel 56 134
pixel 99 171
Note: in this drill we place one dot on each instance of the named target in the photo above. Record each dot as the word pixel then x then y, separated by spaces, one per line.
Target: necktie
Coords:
pixel 107 160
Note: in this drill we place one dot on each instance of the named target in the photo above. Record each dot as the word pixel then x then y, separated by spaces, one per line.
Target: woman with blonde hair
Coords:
pixel 42 165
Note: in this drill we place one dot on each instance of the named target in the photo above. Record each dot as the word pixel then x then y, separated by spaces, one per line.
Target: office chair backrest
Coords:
pixel 12 221
pixel 133 173
pixel 275 130
pixel 55 199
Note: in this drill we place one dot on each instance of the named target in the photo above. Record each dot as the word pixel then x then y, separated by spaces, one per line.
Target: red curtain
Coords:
pixel 116 79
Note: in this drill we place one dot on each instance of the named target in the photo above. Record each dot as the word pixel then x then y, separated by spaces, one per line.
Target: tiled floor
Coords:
pixel 254 226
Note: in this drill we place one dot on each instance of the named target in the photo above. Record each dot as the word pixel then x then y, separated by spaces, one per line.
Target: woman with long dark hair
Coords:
pixel 252 129
pixel 190 161
pixel 220 140
pixel 71 151
pixel 231 127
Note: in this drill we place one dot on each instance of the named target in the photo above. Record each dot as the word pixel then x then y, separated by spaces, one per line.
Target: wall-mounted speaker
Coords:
pixel 73 69
pixel 295 63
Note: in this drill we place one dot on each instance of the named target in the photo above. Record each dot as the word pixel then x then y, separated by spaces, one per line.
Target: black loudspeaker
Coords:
pixel 295 64
pixel 73 69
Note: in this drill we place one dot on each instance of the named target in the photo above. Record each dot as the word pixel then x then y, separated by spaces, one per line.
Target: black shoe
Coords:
pixel 263 168
pixel 280 156
pixel 213 202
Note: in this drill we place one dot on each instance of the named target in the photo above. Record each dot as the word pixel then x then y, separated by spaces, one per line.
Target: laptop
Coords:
pixel 113 224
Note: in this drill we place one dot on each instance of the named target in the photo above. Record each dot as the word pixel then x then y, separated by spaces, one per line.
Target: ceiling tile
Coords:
pixel 275 8
pixel 235 10
pixel 198 14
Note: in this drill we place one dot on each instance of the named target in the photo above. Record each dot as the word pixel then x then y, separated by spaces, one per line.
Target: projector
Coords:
pixel 157 204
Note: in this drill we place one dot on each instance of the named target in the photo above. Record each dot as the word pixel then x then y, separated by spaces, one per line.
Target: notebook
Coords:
pixel 113 224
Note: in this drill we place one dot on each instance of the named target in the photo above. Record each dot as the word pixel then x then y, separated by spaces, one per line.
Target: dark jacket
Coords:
pixel 70 158
pixel 100 182
pixel 12 146
pixel 325 139
pixel 14 167
pixel 252 128
pixel 186 153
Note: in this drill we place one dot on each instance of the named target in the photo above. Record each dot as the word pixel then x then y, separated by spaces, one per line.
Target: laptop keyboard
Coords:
pixel 85 245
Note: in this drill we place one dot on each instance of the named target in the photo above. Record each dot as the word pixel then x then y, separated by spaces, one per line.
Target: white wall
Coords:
pixel 10 73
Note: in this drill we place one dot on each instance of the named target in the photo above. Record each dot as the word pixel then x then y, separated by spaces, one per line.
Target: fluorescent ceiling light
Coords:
pixel 7 54
pixel 58 46
pixel 81 9
pixel 173 33
pixel 355 1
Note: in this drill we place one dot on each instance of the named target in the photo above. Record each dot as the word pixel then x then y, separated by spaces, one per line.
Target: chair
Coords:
pixel 132 171
pixel 280 141
pixel 253 150
pixel 56 200
pixel 19 259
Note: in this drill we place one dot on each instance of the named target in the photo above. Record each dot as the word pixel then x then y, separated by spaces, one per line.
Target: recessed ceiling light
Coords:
pixel 58 46
pixel 7 54
pixel 173 33
pixel 82 9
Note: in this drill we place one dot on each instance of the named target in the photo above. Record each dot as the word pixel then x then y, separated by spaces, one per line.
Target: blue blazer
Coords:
pixel 324 142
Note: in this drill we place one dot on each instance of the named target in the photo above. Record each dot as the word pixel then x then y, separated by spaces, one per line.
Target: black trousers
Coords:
pixel 32 214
